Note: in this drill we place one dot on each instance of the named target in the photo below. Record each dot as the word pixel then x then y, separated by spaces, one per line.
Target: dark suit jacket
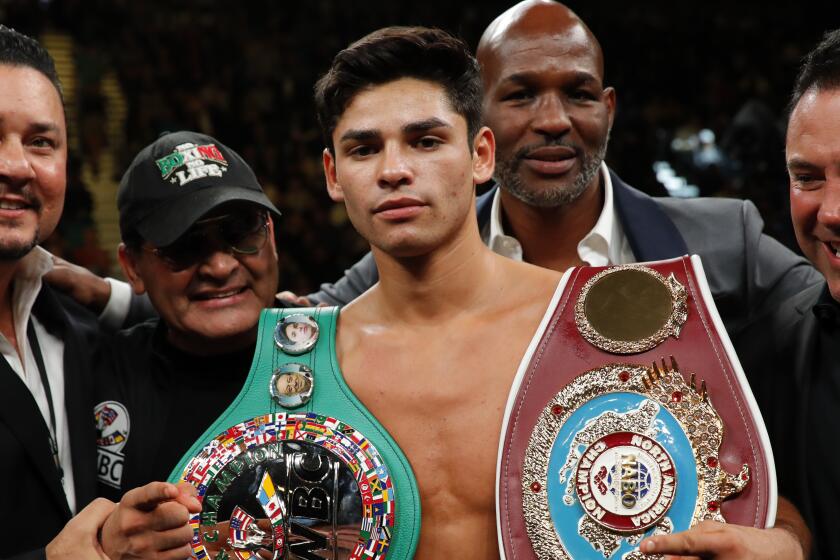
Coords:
pixel 748 272
pixel 781 350
pixel 34 508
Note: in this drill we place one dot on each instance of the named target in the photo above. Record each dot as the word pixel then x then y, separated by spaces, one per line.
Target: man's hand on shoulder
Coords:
pixel 723 541
pixel 78 540
pixel 151 522
pixel 79 283
pixel 290 299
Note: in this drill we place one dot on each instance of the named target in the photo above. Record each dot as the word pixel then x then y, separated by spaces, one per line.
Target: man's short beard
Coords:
pixel 14 251
pixel 508 177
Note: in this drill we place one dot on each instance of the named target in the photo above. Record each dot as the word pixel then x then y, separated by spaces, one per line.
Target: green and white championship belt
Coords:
pixel 297 467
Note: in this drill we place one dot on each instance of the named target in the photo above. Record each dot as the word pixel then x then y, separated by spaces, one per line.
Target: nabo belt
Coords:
pixel 630 416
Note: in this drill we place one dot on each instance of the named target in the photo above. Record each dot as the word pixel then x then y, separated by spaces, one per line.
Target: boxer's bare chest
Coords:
pixel 441 390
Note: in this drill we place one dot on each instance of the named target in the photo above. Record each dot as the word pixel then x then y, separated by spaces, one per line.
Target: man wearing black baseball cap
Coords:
pixel 178 179
pixel 197 234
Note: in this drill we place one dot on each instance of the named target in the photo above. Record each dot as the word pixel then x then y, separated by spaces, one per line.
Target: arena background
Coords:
pixel 702 88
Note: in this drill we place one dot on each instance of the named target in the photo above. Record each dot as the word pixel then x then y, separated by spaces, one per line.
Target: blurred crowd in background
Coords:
pixel 702 89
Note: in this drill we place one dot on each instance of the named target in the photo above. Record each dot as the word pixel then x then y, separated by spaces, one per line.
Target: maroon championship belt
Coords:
pixel 630 416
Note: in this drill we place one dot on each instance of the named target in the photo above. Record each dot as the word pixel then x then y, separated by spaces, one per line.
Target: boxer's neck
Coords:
pixel 456 275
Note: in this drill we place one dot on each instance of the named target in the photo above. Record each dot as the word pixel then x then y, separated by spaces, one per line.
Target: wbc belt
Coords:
pixel 296 467
pixel 629 416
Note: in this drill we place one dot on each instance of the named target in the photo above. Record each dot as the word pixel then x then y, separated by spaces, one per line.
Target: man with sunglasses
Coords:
pixel 198 238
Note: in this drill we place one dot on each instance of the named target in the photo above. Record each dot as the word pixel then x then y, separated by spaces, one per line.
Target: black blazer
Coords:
pixel 779 352
pixel 33 508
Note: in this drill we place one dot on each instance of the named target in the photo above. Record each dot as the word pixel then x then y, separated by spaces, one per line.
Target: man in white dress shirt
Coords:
pixel 47 467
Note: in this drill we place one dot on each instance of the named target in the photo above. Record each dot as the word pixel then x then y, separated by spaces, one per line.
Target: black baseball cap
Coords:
pixel 179 178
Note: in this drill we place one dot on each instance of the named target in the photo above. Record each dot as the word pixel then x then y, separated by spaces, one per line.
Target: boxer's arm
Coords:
pixel 788 539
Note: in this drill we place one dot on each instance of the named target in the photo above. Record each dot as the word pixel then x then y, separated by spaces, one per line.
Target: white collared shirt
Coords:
pixel 26 286
pixel 605 244
pixel 119 302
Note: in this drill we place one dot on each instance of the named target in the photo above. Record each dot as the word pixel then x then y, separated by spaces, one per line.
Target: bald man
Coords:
pixel 556 204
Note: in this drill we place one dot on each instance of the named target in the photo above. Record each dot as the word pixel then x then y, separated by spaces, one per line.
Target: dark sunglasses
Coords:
pixel 241 234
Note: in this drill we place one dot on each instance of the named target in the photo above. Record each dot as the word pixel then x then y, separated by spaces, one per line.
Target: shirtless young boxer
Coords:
pixel 445 328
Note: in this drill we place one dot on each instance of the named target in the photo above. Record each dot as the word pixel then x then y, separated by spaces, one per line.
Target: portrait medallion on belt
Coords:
pixel 296 334
pixel 291 385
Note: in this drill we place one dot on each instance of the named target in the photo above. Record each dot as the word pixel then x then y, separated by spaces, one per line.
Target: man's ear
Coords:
pixel 484 155
pixel 271 238
pixel 128 263
pixel 333 188
pixel 610 101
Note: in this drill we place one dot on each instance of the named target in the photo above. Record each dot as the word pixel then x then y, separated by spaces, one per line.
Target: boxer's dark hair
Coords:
pixel 392 53
pixel 820 68
pixel 17 49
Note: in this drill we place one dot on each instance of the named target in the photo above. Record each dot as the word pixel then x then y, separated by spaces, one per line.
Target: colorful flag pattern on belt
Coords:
pixel 275 508
pixel 232 449
pixel 272 504
pixel 239 521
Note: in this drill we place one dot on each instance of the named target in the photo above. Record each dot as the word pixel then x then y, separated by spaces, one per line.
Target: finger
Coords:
pixel 179 553
pixel 286 295
pixel 697 541
pixel 146 498
pixel 190 503
pixel 679 544
pixel 692 543
pixel 93 516
pixel 188 497
pixel 173 539
pixel 59 278
pixel 61 269
pixel 293 299
pixel 173 544
pixel 187 488
pixel 168 515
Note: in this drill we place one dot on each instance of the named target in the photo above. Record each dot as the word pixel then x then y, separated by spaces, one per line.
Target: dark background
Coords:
pixel 244 71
